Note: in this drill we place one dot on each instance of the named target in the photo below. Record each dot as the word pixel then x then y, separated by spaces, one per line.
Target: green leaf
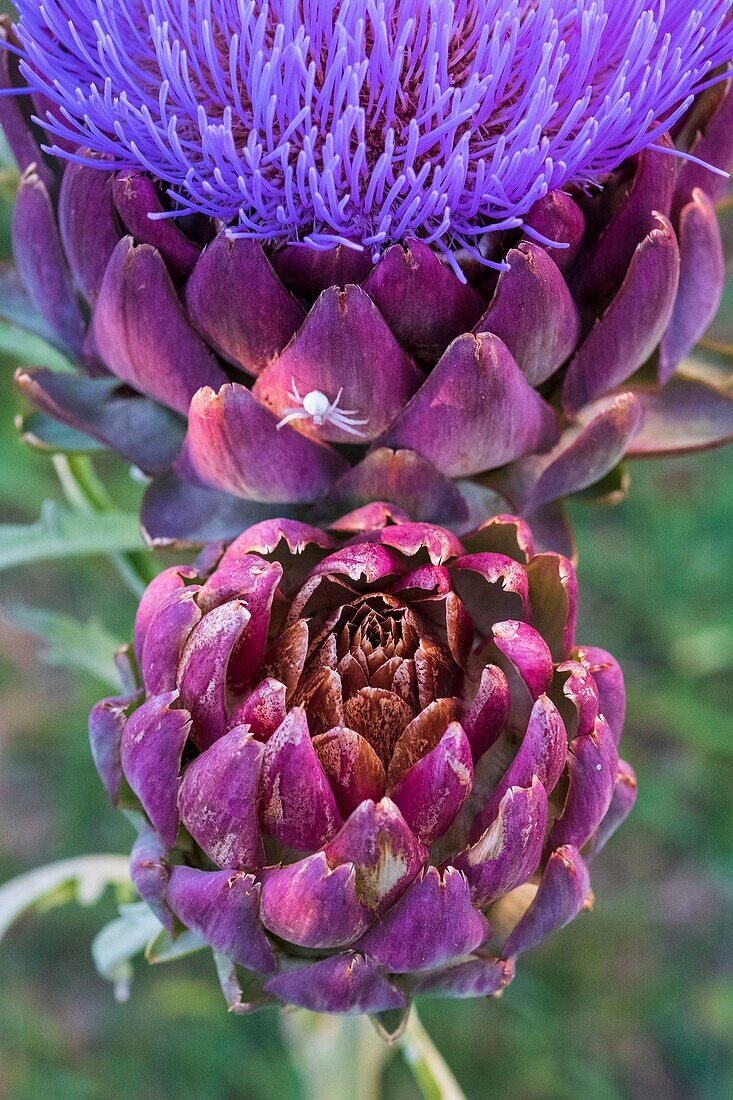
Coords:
pixel 29 347
pixel 63 533
pixel 243 990
pixel 24 333
pixel 68 643
pixel 83 879
pixel 163 948
pixel 43 433
pixel 6 157
pixel 120 941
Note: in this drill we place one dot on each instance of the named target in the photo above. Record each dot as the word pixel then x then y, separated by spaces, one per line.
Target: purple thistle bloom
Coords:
pixel 368 122
pixel 360 772
pixel 251 377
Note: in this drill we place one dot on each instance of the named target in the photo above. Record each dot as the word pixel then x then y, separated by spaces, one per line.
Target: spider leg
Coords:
pixel 332 407
pixel 347 425
pixel 351 430
pixel 291 414
pixel 293 393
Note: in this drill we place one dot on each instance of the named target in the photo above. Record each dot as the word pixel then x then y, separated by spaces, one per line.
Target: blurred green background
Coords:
pixel 635 1000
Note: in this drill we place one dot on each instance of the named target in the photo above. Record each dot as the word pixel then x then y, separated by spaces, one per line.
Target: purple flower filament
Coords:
pixel 368 121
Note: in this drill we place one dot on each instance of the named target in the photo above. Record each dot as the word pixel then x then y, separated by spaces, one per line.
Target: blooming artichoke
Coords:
pixel 367 764
pixel 449 254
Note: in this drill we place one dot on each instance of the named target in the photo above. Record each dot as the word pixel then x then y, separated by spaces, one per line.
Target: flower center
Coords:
pixel 369 121
pixel 374 673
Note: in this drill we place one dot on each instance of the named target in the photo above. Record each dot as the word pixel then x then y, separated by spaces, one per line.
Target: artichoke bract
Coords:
pixel 457 271
pixel 367 763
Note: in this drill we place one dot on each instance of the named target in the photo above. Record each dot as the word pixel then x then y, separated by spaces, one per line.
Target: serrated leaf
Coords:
pixel 68 643
pixel 83 879
pixel 120 941
pixel 63 533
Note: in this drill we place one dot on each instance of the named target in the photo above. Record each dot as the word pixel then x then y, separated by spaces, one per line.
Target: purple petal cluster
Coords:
pixel 368 121
pixel 367 763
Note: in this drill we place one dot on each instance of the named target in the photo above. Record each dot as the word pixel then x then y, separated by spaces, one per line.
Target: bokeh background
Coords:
pixel 633 1001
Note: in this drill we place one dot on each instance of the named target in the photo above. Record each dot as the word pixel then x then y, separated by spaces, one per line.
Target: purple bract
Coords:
pixel 367 764
pixel 365 122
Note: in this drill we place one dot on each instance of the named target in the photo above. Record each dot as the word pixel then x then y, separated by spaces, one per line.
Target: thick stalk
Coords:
pixel 432 1073
pixel 343 1058
pixel 337 1057
pixel 85 492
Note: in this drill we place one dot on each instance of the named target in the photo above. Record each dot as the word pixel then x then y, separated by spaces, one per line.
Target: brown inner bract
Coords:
pixel 374 671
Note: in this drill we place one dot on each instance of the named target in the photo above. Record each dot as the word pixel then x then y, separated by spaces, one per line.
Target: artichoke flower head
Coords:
pixel 366 763
pixel 447 252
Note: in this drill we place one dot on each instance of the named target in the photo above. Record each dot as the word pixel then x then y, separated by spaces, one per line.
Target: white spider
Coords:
pixel 315 406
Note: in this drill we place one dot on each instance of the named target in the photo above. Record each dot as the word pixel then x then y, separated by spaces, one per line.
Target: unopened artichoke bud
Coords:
pixel 373 762
pixel 330 253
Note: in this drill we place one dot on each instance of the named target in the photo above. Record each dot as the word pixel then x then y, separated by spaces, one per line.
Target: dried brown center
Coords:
pixel 373 668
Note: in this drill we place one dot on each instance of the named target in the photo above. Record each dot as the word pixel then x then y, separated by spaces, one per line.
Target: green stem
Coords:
pixel 86 492
pixel 337 1057
pixel 427 1065
pixel 343 1057
pixel 82 488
